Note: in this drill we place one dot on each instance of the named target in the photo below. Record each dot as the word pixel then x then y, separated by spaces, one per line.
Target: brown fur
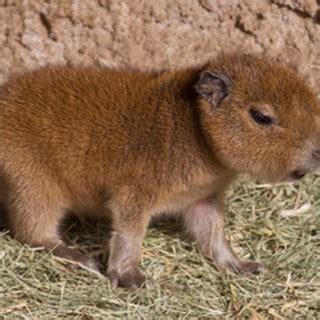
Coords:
pixel 133 145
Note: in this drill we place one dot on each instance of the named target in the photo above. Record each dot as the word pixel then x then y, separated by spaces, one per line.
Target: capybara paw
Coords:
pixel 87 263
pixel 249 267
pixel 132 279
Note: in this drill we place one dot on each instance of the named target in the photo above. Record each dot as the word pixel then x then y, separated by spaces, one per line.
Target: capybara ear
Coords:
pixel 213 87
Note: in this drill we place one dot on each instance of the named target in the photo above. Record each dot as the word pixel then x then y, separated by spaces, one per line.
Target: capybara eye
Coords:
pixel 260 118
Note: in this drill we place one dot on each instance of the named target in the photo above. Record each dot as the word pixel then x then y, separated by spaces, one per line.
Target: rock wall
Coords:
pixel 156 33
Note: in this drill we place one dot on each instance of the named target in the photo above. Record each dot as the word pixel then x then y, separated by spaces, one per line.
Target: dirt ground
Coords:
pixel 156 34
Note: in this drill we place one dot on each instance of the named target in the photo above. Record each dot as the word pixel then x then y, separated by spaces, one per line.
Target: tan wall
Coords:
pixel 156 33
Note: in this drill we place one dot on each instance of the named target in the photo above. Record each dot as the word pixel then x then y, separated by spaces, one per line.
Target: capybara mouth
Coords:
pixel 297 174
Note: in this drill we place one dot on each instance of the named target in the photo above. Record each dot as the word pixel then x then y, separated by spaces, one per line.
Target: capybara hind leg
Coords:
pixel 34 214
pixel 40 229
pixel 204 221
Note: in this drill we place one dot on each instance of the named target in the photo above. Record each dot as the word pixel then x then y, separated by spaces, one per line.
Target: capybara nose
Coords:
pixel 316 155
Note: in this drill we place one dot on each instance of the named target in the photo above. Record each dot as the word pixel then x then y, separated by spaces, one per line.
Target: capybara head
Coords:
pixel 259 117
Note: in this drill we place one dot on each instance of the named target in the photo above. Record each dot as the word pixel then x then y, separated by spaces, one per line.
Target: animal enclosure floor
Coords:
pixel 277 225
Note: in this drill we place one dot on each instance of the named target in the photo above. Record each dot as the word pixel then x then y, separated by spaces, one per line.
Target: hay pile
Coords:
pixel 183 284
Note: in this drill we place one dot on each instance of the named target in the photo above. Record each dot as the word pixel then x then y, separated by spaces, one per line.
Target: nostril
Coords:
pixel 297 174
pixel 316 154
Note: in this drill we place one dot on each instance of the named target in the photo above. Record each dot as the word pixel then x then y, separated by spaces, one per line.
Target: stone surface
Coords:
pixel 156 33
